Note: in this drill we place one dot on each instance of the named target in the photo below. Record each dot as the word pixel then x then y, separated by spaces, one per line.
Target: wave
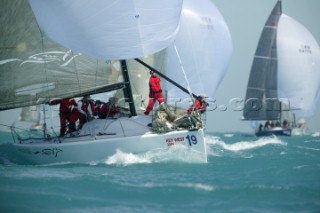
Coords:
pixel 188 185
pixel 216 146
pixel 173 154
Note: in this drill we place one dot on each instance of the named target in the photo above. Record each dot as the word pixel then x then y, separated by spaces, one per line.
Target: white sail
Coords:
pixel 204 46
pixel 298 66
pixel 110 29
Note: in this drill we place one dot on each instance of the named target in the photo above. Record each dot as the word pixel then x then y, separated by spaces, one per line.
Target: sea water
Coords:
pixel 243 174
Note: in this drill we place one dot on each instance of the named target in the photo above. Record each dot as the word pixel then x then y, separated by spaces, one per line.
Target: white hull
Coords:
pixel 86 148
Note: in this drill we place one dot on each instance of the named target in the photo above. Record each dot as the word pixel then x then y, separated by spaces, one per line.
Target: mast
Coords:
pixel 127 89
pixel 280 6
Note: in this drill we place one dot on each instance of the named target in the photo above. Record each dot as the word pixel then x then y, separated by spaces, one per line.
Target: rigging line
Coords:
pixel 185 76
pixel 76 71
pixel 124 133
pixel 96 74
pixel 183 71
pixel 166 78
pixel 46 76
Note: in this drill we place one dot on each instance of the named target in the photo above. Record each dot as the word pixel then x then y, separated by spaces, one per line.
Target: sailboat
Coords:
pixel 285 76
pixel 68 49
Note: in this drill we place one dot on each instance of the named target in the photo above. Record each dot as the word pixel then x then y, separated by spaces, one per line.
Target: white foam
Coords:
pixel 195 186
pixel 122 158
pixel 175 153
pixel 228 135
pixel 245 145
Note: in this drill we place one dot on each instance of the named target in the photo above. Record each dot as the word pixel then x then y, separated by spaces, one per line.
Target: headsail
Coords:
pixel 204 45
pixel 110 29
pixel 298 66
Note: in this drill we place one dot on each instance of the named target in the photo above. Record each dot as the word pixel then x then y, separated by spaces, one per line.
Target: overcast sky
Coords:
pixel 246 19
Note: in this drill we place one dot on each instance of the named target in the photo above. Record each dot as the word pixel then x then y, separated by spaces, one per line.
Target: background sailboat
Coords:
pixel 63 60
pixel 286 60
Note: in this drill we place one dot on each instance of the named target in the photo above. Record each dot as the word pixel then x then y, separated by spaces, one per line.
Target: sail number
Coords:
pixel 192 139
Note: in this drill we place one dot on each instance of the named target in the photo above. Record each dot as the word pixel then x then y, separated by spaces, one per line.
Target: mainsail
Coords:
pixel 261 96
pixel 35 69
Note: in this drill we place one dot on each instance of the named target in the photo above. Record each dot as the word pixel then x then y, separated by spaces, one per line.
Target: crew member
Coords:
pixel 155 92
pixel 110 109
pixel 64 113
pixel 83 111
pixel 200 105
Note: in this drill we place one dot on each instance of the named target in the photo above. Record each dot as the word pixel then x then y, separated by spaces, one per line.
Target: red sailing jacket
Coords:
pixel 105 110
pixel 199 106
pixel 154 85
pixel 65 105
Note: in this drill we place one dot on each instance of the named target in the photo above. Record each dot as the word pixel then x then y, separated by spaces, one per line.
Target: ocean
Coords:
pixel 243 174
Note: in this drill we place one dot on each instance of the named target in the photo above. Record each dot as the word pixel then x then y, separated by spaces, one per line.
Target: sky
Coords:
pixel 245 19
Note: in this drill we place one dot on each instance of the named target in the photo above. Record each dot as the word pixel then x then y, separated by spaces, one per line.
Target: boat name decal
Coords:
pixel 192 140
pixel 47 152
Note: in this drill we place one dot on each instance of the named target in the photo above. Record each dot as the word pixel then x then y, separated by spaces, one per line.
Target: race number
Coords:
pixel 192 139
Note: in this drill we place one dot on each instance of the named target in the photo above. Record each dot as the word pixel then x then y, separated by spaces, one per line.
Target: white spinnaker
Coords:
pixel 298 66
pixel 110 29
pixel 204 45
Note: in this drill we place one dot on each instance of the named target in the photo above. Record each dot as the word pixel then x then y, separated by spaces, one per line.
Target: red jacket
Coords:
pixel 65 105
pixel 154 86
pixel 86 108
pixel 199 106
pixel 105 111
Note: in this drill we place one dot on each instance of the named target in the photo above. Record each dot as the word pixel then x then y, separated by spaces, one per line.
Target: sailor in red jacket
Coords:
pixel 200 103
pixel 86 110
pixel 155 92
pixel 110 109
pixel 83 111
pixel 64 112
